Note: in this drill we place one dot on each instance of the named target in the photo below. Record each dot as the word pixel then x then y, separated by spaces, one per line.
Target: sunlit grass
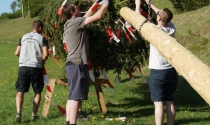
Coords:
pixel 129 99
pixel 12 30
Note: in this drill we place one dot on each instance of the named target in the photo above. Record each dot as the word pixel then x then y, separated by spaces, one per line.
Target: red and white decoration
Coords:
pixel 106 80
pixel 111 35
pixel 45 78
pixel 54 55
pixel 90 69
pixel 61 7
pixel 130 75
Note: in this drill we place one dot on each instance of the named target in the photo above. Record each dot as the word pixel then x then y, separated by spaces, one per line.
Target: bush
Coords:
pixel 188 5
pixel 14 15
pixel 4 16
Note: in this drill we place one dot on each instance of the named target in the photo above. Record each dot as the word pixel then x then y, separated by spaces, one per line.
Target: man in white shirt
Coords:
pixel 163 77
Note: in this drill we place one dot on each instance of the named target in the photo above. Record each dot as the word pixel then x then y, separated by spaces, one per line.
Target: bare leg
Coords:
pixel 74 105
pixel 19 104
pixel 171 112
pixel 68 110
pixel 68 107
pixel 36 103
pixel 19 101
pixel 159 113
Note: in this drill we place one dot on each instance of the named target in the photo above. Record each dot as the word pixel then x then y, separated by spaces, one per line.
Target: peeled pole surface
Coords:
pixel 187 64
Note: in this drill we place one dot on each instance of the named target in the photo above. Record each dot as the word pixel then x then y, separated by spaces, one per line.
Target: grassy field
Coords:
pixel 192 32
pixel 129 99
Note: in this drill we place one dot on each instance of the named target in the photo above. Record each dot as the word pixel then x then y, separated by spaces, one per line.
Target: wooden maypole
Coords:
pixel 187 64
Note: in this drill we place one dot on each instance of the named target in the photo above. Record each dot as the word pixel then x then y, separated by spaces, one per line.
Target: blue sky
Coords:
pixel 5 6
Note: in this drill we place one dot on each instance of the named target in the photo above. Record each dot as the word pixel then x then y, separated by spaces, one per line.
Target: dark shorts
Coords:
pixel 27 75
pixel 77 81
pixel 163 84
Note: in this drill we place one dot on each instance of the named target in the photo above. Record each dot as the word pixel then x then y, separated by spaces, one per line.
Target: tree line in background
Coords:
pixel 189 5
pixel 25 8
pixel 31 8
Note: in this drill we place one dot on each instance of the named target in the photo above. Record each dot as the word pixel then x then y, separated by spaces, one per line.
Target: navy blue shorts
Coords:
pixel 27 75
pixel 78 78
pixel 163 84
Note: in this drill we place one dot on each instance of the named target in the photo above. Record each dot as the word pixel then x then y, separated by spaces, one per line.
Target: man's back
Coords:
pixel 31 50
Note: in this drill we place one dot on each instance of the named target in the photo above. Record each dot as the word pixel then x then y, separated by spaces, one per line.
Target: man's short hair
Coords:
pixel 67 10
pixel 166 15
pixel 37 24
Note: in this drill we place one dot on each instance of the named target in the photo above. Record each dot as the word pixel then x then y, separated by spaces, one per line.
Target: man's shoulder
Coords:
pixel 29 33
pixel 32 35
pixel 26 34
pixel 79 19
pixel 171 29
pixel 77 22
pixel 171 25
pixel 76 19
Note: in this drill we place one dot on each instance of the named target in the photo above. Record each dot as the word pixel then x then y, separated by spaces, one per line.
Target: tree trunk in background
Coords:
pixel 28 10
pixel 22 10
pixel 188 65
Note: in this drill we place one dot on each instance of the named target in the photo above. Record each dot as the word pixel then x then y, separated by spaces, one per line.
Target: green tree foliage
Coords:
pixel 188 5
pixel 14 15
pixel 32 7
pixel 36 6
pixel 13 6
pixel 110 55
pixel 5 16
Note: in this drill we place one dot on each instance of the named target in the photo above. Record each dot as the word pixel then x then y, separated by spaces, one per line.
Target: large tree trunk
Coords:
pixel 188 65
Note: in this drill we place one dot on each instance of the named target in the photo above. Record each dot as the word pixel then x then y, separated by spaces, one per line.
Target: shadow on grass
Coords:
pixel 136 104
pixel 186 98
pixel 56 115
pixel 128 79
pixel 197 121
pixel 41 119
pixel 133 112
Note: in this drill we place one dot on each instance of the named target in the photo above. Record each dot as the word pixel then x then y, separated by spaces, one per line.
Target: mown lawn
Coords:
pixel 129 99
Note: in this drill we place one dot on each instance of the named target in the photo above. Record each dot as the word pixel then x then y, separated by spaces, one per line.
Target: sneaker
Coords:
pixel 18 118
pixel 34 118
pixel 81 117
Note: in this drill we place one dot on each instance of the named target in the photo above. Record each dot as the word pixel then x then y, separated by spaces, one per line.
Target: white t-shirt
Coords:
pixel 31 49
pixel 156 61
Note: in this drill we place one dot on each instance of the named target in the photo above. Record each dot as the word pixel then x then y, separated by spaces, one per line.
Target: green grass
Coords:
pixel 129 99
pixel 12 30
pixel 192 32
